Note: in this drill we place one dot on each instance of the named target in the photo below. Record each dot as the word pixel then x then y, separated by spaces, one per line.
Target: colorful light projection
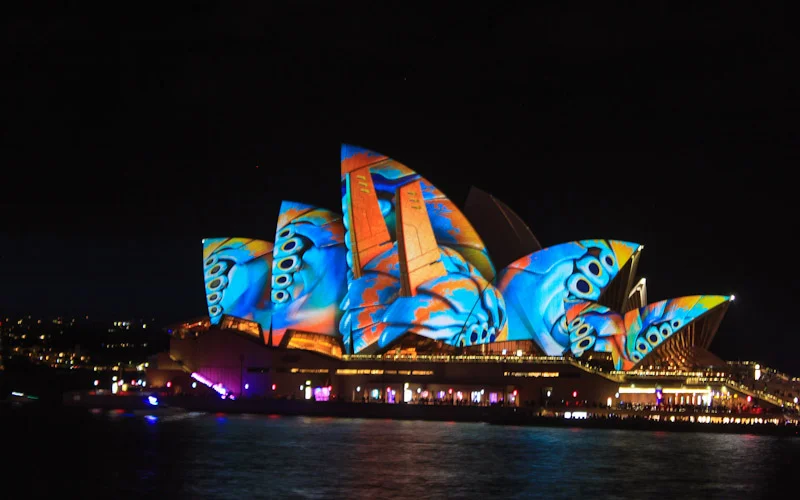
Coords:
pixel 403 259
pixel 450 227
pixel 322 393
pixel 218 388
pixel 410 285
pixel 236 272
pixel 634 335
pixel 536 286
pixel 309 271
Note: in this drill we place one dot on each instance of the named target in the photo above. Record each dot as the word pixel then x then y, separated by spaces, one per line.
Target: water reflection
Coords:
pixel 254 456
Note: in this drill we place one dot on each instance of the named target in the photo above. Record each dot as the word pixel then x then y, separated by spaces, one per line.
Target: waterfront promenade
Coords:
pixel 608 418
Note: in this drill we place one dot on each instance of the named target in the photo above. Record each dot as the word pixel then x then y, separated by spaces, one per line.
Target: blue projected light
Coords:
pixel 152 400
pixel 535 287
pixel 402 269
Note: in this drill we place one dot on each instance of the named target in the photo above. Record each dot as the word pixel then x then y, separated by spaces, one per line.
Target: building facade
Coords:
pixel 399 299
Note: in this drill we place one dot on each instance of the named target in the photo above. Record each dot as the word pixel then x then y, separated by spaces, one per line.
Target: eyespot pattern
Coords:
pixel 287 262
pixel 215 275
pixel 216 284
pixel 653 336
pixel 281 281
pixel 217 269
pixel 280 296
pixel 581 287
pixel 591 269
pixel 608 260
pixel 582 345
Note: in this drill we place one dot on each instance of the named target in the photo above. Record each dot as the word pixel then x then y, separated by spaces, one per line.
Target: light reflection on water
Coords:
pixel 254 456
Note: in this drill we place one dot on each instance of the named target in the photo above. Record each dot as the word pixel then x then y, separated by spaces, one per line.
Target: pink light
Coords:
pixel 322 393
pixel 201 379
pixel 219 388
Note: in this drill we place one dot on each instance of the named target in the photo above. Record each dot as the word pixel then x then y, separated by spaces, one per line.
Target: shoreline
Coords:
pixel 643 424
pixel 492 415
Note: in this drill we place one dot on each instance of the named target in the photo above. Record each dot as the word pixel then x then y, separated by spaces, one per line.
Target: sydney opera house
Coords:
pixel 403 296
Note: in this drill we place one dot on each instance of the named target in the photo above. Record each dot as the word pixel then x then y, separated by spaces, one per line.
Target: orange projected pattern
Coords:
pixel 403 268
pixel 420 258
pixel 368 233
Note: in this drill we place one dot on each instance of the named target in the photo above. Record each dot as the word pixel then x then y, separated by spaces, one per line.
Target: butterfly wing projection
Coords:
pixel 309 272
pixel 536 287
pixel 237 279
pixel 592 327
pixel 450 227
pixel 632 336
pixel 412 285
pixel 650 326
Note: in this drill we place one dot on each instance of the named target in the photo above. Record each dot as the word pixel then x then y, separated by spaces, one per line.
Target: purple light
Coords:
pixel 201 379
pixel 322 394
pixel 219 388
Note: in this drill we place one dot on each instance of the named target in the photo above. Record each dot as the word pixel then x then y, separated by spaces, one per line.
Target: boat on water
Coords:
pixel 159 409
pixel 18 399
pixel 20 403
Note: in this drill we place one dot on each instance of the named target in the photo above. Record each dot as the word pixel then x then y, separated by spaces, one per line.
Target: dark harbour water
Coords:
pixel 248 456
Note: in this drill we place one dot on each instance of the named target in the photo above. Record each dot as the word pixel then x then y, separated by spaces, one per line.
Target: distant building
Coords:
pixel 70 343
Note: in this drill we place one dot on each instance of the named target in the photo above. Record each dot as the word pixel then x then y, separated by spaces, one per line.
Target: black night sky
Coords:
pixel 132 135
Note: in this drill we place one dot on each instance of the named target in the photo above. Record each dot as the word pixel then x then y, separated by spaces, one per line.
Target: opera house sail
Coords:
pixel 402 269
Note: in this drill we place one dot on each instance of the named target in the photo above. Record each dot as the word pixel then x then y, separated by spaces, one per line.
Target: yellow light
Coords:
pixel 637 390
pixel 685 391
